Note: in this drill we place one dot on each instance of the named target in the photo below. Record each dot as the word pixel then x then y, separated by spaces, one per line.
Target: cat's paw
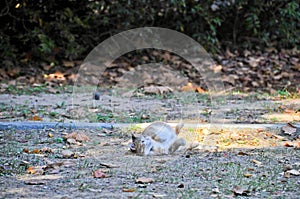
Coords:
pixel 132 147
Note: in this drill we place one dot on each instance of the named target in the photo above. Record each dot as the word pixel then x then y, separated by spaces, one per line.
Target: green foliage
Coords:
pixel 52 30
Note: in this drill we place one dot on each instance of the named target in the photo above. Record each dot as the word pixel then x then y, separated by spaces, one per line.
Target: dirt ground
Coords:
pixel 130 107
pixel 241 163
pixel 41 164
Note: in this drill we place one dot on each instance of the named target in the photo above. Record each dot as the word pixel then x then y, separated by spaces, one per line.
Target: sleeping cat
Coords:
pixel 157 138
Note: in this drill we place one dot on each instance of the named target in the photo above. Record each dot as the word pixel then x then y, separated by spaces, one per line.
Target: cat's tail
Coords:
pixel 178 128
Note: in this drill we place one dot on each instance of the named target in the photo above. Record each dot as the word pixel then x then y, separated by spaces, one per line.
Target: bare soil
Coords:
pixel 34 165
pixel 240 163
pixel 129 107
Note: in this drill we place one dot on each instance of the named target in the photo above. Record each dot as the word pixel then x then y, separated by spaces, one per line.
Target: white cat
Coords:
pixel 157 138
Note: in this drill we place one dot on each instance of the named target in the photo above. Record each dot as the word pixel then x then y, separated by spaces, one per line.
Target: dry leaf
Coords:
pixel 13 71
pixel 144 180
pixel 288 167
pixel 191 88
pixel 99 174
pixel 288 144
pixel 38 170
pixel 293 172
pixel 158 90
pixel 258 163
pixel 71 141
pixel 289 129
pixel 55 77
pixel 129 190
pixel 69 64
pixel 248 175
pixel 107 165
pixel 25 150
pixel 46 150
pixel 35 151
pixel 80 137
pixel 287 175
pixel 200 90
pixel 215 190
pixel 242 153
pixel 36 118
pixel 188 88
pixel 239 191
pixel 250 169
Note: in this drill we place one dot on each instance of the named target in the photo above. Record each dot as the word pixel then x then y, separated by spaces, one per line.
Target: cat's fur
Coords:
pixel 157 138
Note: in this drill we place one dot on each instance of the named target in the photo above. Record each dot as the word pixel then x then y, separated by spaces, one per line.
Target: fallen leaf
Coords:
pixel 288 167
pixel 71 141
pixel 23 162
pixel 227 144
pixel 35 151
pixel 200 90
pixel 109 165
pixel 56 77
pixel 80 137
pixel 99 174
pixel 289 129
pixel 293 172
pixel 287 175
pixel 37 170
pixel 248 175
pixel 129 190
pixel 46 150
pixel 288 144
pixel 69 64
pixel 25 150
pixel 144 180
pixel 36 118
pixel 50 135
pixel 250 169
pixel 188 88
pixel 242 153
pixel 256 162
pixel 239 191
pixel 158 90
pixel 278 137
pixel 215 190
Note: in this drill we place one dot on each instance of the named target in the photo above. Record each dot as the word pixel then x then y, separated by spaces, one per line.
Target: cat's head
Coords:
pixel 140 144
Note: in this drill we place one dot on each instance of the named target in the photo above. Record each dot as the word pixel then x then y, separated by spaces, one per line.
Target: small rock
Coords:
pixel 144 180
pixel 67 153
pixel 71 141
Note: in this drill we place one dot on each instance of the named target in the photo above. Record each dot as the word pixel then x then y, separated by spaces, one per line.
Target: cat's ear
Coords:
pixel 133 137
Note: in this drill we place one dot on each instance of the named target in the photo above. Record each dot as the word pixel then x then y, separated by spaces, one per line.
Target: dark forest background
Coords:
pixel 34 33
